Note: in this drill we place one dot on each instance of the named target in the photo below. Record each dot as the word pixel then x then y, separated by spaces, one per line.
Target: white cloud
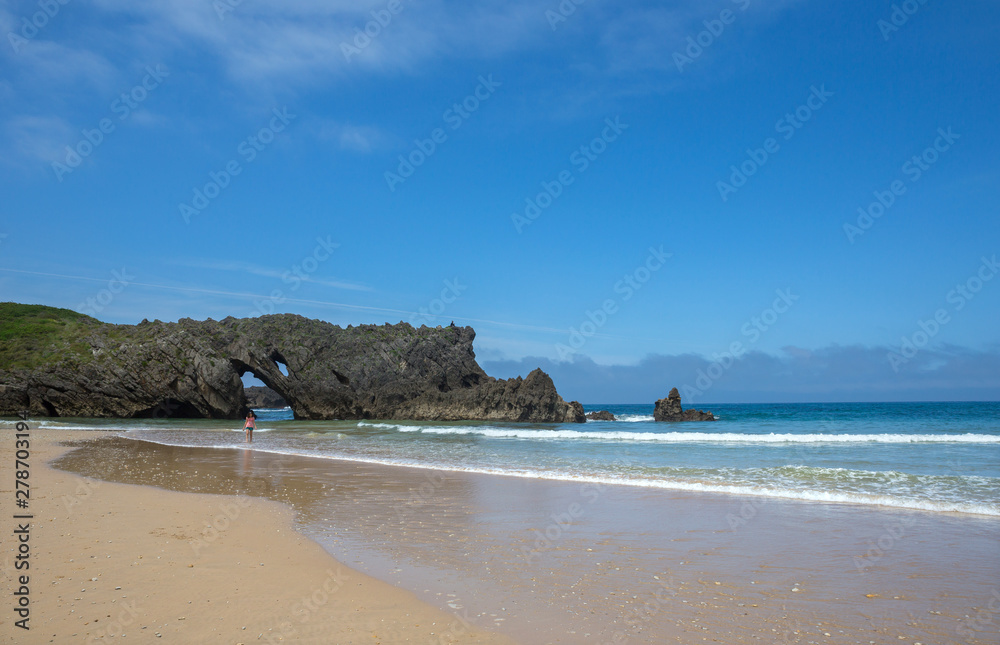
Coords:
pixel 35 137
pixel 300 42
pixel 832 373
pixel 267 272
pixel 295 45
pixel 262 49
pixel 147 118
pixel 356 138
pixel 51 68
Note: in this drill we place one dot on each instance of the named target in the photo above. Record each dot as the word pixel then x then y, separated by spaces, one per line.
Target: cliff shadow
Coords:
pixel 170 408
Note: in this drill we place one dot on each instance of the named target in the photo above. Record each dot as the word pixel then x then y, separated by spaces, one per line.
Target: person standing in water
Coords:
pixel 249 425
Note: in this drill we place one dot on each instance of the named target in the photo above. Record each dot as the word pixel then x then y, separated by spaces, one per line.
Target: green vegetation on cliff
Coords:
pixel 35 335
pixel 57 362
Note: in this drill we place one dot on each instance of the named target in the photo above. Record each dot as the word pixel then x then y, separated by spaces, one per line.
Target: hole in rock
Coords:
pixel 259 395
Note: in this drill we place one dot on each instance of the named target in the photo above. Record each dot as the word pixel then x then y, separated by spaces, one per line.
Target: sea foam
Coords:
pixel 688 437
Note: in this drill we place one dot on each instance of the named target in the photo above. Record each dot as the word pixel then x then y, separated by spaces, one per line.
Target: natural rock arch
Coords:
pixel 195 368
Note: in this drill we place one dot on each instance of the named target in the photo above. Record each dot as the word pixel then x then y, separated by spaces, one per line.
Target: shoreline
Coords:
pixel 115 559
pixel 938 488
pixel 548 561
pixel 733 491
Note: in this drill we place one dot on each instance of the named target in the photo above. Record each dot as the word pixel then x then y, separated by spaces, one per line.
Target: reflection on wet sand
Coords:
pixel 546 561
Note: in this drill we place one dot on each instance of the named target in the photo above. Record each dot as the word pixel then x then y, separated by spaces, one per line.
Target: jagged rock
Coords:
pixel 601 415
pixel 669 409
pixel 263 397
pixel 193 369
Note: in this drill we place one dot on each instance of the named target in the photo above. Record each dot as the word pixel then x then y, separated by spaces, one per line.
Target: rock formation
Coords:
pixel 600 415
pixel 669 409
pixel 263 397
pixel 55 362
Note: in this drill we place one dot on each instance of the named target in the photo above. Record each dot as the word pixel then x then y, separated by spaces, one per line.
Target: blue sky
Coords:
pixel 625 194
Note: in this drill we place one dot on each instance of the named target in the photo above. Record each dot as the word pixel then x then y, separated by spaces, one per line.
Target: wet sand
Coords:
pixel 558 562
pixel 114 562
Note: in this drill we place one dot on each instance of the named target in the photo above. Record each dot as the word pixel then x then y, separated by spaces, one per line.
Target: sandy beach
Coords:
pixel 113 561
pixel 500 323
pixel 456 557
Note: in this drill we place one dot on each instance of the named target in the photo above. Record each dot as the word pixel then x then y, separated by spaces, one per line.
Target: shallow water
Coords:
pixel 570 562
pixel 942 457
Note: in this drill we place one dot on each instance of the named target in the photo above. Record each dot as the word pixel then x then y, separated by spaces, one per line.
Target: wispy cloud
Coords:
pixel 36 138
pixel 832 373
pixel 356 138
pixel 196 290
pixel 299 42
pixel 268 272
pixel 148 119
pixel 260 49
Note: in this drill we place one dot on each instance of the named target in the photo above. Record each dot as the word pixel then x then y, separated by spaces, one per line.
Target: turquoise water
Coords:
pixel 941 457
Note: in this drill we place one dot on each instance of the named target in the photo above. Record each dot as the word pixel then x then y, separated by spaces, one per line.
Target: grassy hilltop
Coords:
pixel 35 335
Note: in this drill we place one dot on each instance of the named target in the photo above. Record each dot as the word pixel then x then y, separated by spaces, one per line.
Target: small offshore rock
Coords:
pixel 669 409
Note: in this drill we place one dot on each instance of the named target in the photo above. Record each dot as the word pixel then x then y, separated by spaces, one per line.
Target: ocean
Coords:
pixel 937 457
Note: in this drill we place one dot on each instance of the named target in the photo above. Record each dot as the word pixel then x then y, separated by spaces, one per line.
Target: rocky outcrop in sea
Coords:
pixel 263 397
pixel 669 409
pixel 193 369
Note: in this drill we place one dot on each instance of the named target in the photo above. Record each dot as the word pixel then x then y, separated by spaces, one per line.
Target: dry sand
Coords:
pixel 115 561
pixel 632 566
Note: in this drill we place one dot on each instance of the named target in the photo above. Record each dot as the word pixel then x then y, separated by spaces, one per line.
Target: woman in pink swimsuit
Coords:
pixel 249 425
